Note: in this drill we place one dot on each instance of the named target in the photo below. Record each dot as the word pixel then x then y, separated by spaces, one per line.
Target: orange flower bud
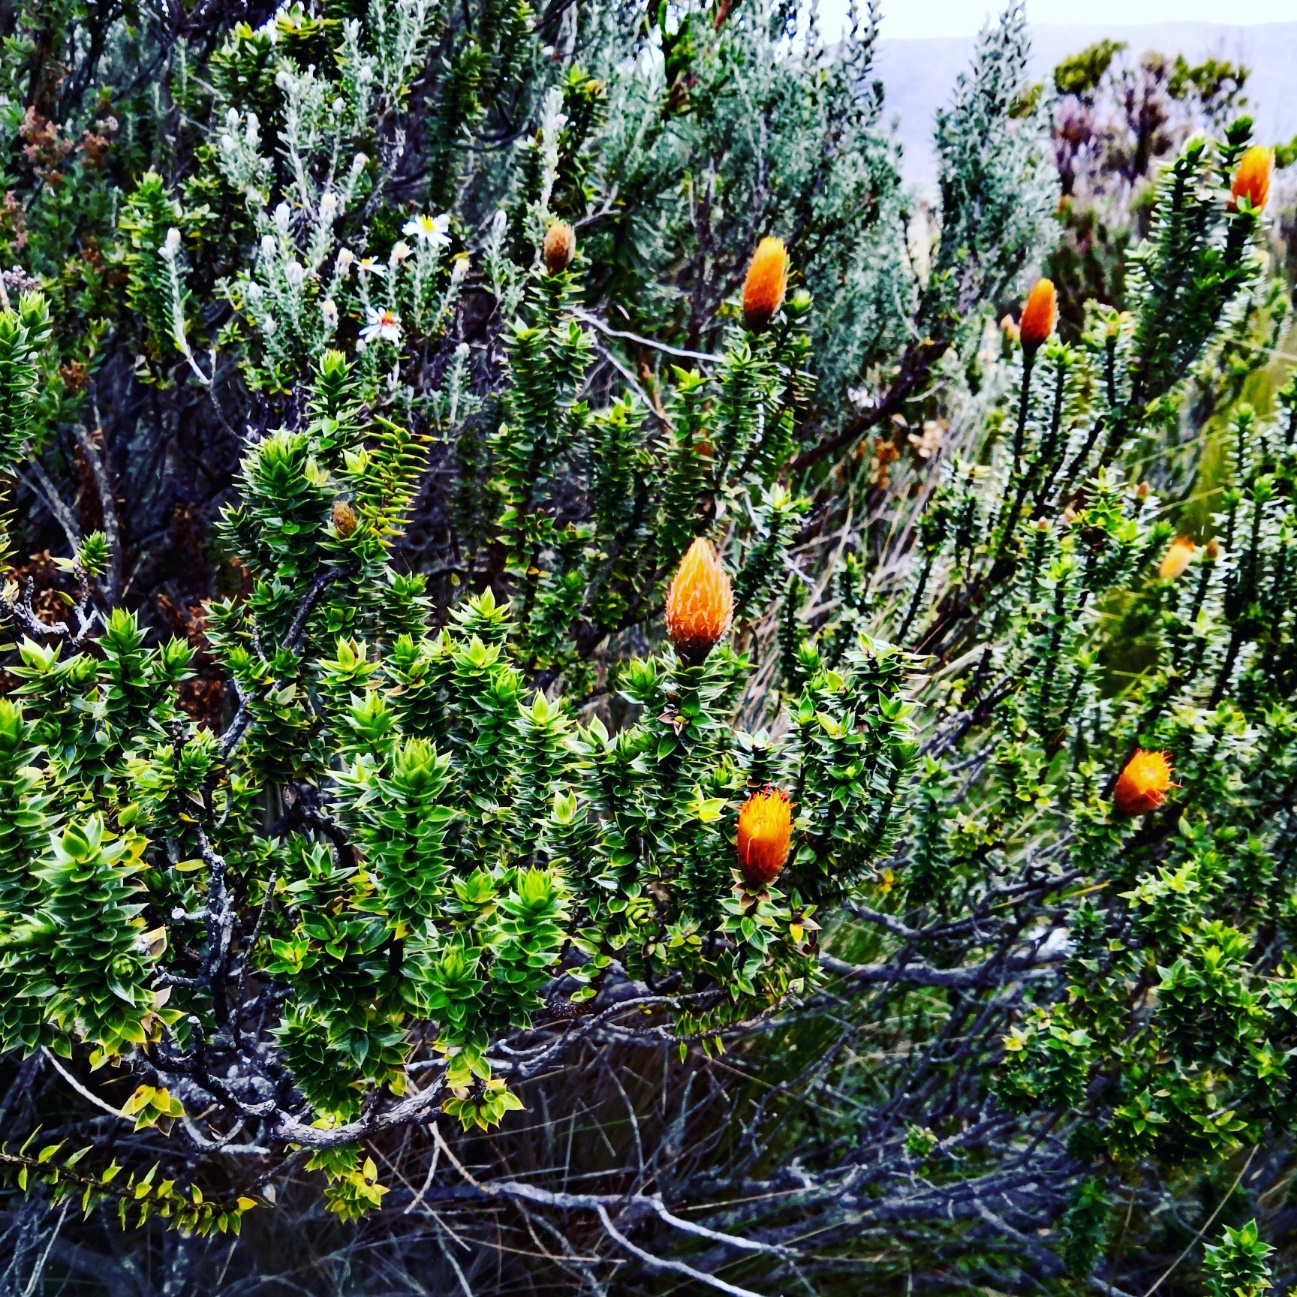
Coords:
pixel 1142 785
pixel 1176 558
pixel 765 831
pixel 559 247
pixel 700 603
pixel 344 518
pixel 1252 179
pixel 763 290
pixel 1038 316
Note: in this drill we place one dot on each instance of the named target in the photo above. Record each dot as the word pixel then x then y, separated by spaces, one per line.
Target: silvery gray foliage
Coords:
pixel 991 225
pixel 998 189
pixel 778 133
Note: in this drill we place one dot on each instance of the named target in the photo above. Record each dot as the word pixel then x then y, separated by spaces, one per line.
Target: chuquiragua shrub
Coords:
pixel 591 664
pixel 397 842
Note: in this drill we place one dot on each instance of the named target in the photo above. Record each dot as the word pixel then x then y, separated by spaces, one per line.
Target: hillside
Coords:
pixel 919 74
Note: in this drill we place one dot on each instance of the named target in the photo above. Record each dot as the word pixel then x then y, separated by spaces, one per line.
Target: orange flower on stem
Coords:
pixel 763 290
pixel 1142 785
pixel 700 603
pixel 1037 323
pixel 1038 316
pixel 765 832
pixel 559 247
pixel 1252 179
pixel 1176 558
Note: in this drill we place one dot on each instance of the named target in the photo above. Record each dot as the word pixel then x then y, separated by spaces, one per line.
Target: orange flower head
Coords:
pixel 1252 179
pixel 765 831
pixel 1176 558
pixel 1142 785
pixel 344 518
pixel 763 289
pixel 559 247
pixel 700 603
pixel 1038 316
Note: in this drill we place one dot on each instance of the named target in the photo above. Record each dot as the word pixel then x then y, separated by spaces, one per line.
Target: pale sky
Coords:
pixel 909 19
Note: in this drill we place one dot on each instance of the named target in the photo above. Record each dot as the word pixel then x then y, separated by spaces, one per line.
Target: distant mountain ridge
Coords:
pixel 920 74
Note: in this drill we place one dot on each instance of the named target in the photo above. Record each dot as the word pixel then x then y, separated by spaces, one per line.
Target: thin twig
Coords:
pixel 683 352
pixel 83 1091
pixel 678 1267
pixel 1211 1220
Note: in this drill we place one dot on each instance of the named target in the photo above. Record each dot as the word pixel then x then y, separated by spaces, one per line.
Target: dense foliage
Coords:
pixel 541 748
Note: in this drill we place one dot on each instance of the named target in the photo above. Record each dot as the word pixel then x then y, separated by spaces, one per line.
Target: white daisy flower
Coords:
pixel 432 230
pixel 368 266
pixel 385 324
